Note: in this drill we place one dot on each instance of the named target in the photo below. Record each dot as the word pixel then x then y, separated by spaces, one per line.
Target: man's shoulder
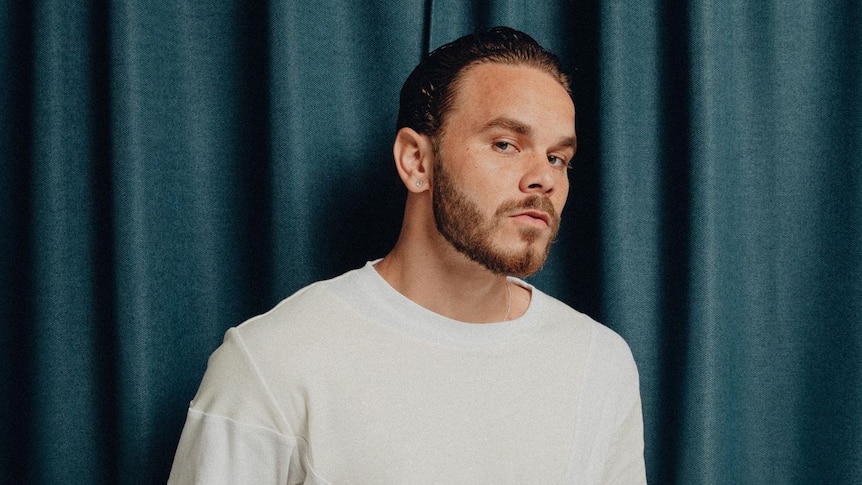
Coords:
pixel 605 343
pixel 309 309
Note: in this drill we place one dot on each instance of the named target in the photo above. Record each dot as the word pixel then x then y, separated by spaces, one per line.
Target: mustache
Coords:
pixel 533 202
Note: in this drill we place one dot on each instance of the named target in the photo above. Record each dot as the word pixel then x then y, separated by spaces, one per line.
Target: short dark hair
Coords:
pixel 429 91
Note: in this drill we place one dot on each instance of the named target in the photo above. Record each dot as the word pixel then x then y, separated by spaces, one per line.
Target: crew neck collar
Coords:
pixel 373 296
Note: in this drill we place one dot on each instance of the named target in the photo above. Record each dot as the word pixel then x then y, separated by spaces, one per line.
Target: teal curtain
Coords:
pixel 170 168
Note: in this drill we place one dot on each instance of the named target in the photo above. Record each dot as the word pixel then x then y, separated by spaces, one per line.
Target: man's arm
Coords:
pixel 234 432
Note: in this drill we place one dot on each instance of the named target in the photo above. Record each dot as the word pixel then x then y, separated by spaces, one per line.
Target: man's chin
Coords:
pixel 520 265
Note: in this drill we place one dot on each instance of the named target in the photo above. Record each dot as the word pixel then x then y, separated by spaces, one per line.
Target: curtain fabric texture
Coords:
pixel 171 168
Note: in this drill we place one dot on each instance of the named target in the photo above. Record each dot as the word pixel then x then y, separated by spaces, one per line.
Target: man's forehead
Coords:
pixel 486 82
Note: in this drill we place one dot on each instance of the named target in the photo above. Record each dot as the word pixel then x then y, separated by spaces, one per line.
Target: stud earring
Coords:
pixel 419 183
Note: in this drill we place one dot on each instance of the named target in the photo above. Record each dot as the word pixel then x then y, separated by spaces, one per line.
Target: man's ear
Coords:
pixel 413 158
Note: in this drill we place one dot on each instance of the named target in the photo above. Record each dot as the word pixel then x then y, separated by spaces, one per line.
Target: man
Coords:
pixel 436 364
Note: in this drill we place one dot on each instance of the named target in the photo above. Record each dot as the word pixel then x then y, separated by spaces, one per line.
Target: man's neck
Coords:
pixel 450 284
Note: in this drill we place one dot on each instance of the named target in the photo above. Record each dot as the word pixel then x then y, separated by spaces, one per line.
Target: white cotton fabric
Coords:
pixel 348 381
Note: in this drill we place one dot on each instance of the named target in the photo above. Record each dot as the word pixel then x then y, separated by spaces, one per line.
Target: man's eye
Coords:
pixel 556 161
pixel 502 146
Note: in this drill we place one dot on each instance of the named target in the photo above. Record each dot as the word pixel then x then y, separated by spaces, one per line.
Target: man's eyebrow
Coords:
pixel 526 130
pixel 509 124
pixel 569 142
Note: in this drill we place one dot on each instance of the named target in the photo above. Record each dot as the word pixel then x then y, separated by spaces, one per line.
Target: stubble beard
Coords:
pixel 463 225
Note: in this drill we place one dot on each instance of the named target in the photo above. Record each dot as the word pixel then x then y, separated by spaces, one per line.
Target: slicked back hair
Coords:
pixel 429 91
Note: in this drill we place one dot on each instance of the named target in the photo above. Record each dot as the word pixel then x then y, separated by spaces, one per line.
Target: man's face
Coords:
pixel 499 177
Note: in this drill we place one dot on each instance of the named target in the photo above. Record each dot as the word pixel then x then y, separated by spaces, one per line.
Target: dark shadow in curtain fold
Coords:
pixel 829 384
pixel 426 27
pixel 582 251
pixel 675 125
pixel 105 256
pixel 18 305
pixel 253 106
pixel 481 14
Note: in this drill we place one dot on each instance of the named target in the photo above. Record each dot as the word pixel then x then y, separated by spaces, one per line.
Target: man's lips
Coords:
pixel 534 217
pixel 535 211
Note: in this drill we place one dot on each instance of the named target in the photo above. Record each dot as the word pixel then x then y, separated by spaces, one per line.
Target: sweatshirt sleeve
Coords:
pixel 234 432
pixel 625 455
pixel 625 459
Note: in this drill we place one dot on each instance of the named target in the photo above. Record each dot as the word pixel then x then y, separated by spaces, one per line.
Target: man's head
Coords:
pixel 489 118
pixel 428 92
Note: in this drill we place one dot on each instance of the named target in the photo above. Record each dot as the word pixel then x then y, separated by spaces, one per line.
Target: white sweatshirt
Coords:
pixel 348 381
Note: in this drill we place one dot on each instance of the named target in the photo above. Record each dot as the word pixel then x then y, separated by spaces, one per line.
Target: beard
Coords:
pixel 471 233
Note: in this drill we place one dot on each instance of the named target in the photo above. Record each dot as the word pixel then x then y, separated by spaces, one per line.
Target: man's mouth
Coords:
pixel 533 217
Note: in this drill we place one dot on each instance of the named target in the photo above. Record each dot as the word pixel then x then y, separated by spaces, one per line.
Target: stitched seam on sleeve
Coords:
pixel 285 439
pixel 262 382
